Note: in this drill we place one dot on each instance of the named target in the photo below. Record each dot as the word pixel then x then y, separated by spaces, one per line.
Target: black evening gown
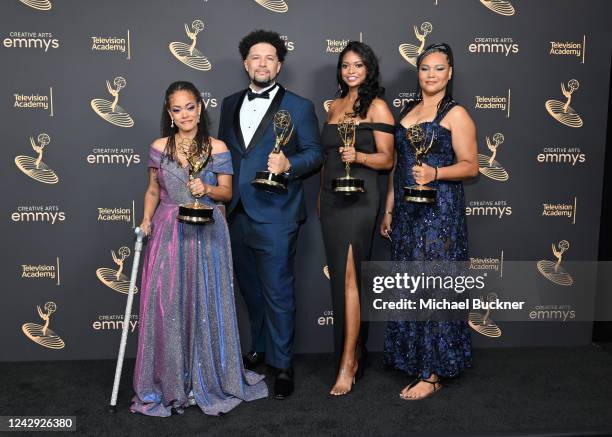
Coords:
pixel 348 219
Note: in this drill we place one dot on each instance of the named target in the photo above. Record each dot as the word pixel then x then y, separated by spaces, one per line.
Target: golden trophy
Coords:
pixel 276 182
pixel 348 184
pixel 195 213
pixel 418 138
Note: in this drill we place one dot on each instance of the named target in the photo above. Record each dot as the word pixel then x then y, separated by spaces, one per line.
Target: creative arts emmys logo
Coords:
pixel 113 155
pixel 111 111
pixel 410 52
pixel 279 6
pixel 489 208
pixel 35 167
pixel 115 279
pixel 554 271
pixel 43 335
pixel 188 54
pixel 41 5
pixel 563 112
pixel 31 40
pixel 38 213
pixel 501 7
pixel 487 165
pixel 482 323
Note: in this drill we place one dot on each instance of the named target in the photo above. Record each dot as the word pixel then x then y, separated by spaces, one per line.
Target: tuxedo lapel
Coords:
pixel 266 120
pixel 236 122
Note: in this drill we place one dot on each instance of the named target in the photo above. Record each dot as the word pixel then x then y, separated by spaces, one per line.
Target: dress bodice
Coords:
pixel 173 178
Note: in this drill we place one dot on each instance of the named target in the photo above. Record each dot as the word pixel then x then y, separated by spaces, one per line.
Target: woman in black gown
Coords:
pixel 348 221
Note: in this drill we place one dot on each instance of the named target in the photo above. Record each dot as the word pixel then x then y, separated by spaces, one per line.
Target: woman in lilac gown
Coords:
pixel 188 345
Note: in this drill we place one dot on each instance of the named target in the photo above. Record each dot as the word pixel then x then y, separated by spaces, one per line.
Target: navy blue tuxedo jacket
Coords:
pixel 303 151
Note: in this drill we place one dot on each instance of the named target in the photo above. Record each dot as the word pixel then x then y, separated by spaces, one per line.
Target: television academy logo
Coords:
pixel 42 334
pixel 563 112
pixel 501 7
pixel 31 40
pixel 278 6
pixel 565 210
pixel 489 208
pixel 117 214
pixel 42 271
pixel 410 52
pixel 116 279
pixel 35 167
pixel 554 271
pixel 35 101
pixel 187 53
pixel 41 5
pixel 38 213
pixel 495 103
pixel 569 48
pixel 487 165
pixel 117 44
pixel 482 323
pixel 111 111
pixel 488 263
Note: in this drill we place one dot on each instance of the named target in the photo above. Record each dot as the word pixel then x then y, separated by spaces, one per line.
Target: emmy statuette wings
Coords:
pixel 418 138
pixel 276 182
pixel 347 184
pixel 195 213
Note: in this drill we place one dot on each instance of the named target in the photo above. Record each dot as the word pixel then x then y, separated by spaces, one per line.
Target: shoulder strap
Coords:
pixel 443 111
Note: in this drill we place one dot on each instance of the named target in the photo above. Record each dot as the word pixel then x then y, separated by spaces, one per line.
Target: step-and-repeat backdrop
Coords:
pixel 82 86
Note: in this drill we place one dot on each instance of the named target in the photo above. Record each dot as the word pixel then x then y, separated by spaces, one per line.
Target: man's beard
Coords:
pixel 263 84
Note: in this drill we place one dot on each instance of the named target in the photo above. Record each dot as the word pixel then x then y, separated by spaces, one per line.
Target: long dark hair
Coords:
pixel 448 93
pixel 202 136
pixel 370 88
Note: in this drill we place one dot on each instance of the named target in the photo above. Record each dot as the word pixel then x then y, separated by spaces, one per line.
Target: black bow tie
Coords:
pixel 251 95
pixel 265 95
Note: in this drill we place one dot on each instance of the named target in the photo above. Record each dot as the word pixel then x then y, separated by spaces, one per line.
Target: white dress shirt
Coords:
pixel 253 111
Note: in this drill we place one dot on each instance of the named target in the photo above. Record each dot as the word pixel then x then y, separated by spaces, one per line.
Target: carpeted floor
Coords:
pixel 544 391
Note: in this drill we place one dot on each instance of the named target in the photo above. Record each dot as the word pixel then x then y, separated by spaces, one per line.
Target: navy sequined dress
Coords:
pixel 423 232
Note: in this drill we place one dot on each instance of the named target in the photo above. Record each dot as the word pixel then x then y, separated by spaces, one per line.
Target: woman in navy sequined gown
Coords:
pixel 188 344
pixel 425 232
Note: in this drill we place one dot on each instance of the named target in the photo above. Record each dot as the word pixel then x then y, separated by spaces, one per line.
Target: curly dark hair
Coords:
pixel 448 93
pixel 258 36
pixel 370 88
pixel 202 136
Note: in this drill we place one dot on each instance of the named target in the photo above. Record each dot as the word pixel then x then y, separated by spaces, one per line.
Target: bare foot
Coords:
pixel 422 389
pixel 345 380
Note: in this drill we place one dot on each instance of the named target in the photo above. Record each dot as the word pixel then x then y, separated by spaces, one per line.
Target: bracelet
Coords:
pixel 389 212
pixel 436 175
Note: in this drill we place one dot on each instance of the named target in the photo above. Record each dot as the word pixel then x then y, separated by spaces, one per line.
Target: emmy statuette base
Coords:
pixel 195 214
pixel 420 194
pixel 271 182
pixel 348 185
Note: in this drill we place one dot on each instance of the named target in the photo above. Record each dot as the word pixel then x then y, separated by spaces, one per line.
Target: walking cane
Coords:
pixel 112 408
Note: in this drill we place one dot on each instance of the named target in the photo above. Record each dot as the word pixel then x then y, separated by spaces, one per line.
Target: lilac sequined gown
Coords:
pixel 188 345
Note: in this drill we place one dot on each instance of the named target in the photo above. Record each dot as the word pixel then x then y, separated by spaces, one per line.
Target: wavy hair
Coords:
pixel 370 88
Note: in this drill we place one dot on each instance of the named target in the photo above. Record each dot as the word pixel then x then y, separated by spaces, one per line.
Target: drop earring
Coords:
pixel 172 123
